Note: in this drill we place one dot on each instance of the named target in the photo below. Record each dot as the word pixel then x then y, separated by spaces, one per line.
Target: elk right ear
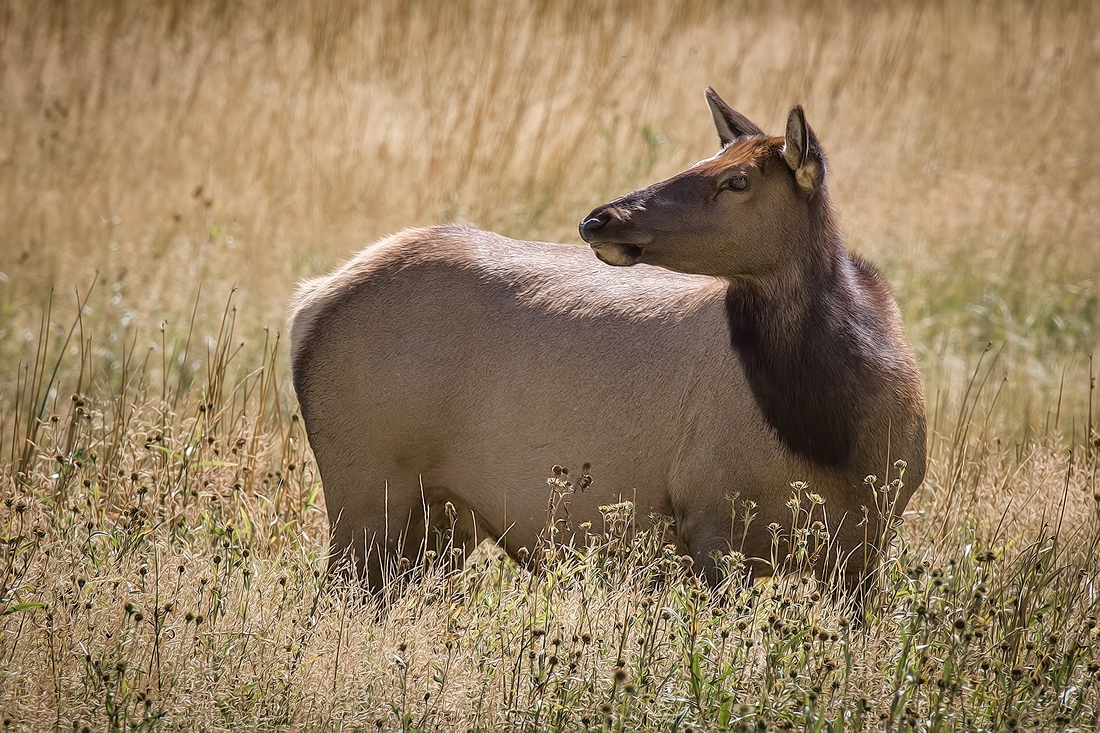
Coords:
pixel 802 153
pixel 731 125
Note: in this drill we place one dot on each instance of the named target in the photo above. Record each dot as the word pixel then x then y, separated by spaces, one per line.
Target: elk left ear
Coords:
pixel 730 123
pixel 802 153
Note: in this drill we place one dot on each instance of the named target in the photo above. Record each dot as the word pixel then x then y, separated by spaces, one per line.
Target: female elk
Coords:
pixel 454 365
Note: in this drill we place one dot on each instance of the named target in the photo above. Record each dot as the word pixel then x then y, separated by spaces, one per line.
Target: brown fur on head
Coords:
pixel 752 212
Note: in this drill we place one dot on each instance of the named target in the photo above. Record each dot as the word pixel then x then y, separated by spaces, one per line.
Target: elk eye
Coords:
pixel 738 182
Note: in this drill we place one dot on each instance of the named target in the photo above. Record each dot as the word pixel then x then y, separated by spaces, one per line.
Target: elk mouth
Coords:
pixel 612 237
pixel 617 253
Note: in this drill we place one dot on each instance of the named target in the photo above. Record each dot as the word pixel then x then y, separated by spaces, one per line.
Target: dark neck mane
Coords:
pixel 809 359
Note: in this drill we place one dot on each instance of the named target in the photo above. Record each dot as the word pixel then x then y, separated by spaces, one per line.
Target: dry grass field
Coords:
pixel 170 169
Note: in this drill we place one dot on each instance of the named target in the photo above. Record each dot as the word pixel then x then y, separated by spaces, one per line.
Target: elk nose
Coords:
pixel 593 224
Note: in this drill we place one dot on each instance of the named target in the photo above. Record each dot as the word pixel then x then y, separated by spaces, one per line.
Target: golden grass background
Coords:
pixel 959 135
pixel 160 148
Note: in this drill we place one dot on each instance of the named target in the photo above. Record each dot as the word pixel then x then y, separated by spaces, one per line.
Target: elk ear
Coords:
pixel 802 153
pixel 731 125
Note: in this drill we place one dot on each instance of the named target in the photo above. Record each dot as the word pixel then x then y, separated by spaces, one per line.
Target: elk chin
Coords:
pixel 618 255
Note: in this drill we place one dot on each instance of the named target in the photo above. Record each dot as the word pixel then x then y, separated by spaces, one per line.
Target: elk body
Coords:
pixel 743 349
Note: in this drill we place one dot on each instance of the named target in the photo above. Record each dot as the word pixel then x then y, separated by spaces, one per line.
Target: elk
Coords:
pixel 734 349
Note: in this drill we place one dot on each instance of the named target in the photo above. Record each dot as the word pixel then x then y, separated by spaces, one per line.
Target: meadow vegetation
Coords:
pixel 169 170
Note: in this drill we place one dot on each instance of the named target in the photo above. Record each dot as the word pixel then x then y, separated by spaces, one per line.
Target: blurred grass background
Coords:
pixel 163 145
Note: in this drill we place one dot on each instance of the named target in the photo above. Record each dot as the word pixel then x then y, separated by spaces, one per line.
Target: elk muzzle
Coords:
pixel 612 236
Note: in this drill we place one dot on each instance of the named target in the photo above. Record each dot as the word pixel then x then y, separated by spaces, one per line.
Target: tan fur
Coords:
pixel 454 365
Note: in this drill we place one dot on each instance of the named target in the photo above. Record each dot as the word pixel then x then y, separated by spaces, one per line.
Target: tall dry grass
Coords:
pixel 162 566
pixel 172 152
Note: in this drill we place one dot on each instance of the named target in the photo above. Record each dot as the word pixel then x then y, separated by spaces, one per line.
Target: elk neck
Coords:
pixel 802 338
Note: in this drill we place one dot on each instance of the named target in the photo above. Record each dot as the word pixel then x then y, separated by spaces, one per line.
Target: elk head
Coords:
pixel 755 207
